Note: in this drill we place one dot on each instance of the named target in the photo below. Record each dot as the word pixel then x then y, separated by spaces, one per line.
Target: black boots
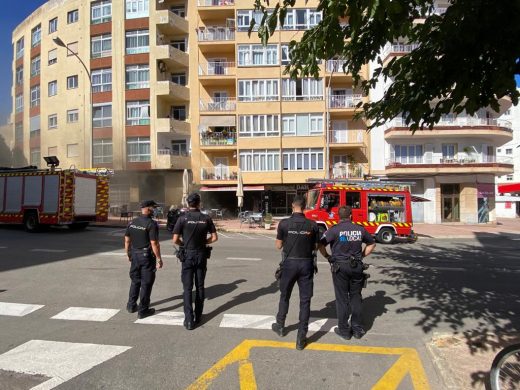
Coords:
pixel 279 329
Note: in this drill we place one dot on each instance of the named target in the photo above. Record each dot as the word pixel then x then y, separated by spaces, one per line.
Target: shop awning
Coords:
pixel 510 188
pixel 415 198
pixel 231 188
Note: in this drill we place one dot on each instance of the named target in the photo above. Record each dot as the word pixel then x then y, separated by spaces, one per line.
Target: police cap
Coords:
pixel 148 203
pixel 193 198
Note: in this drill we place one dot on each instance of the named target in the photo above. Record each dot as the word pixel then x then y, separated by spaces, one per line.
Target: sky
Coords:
pixel 10 17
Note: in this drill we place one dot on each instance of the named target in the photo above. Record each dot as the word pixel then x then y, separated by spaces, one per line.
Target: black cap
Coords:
pixel 193 198
pixel 148 203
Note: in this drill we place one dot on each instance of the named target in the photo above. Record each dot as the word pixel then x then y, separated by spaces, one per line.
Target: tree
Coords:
pixel 466 58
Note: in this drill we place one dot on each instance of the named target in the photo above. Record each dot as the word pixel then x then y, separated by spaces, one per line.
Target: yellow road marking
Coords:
pixel 407 363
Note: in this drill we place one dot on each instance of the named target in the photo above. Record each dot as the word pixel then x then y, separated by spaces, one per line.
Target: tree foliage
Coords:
pixel 466 58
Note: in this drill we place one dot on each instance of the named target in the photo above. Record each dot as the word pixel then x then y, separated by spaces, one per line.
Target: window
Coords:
pixel 19 75
pixel 499 150
pixel 19 48
pixel 34 157
pixel 259 160
pixel 244 18
pixel 178 113
pixel 101 46
pixel 302 124
pixel 509 177
pixel 138 76
pixel 101 80
pixel 179 45
pixel 449 151
pixel 36 35
pixel 101 11
pixel 408 154
pixel 72 48
pixel 137 41
pixel 302 159
pixel 178 10
pixel 509 151
pixel 102 115
pixel 72 82
pixel 257 55
pixel 102 151
pixel 53 56
pixel 137 9
pixel 302 89
pixel 179 78
pixel 72 150
pixel 286 55
pixel 18 132
pixel 53 88
pixel 138 149
pixel 138 113
pixel 72 16
pixel 257 90
pixel 53 25
pixel 34 126
pixel 35 96
pixel 52 151
pixel 53 121
pixel 301 19
pixel 258 125
pixel 179 147
pixel 18 103
pixel 72 116
pixel 35 66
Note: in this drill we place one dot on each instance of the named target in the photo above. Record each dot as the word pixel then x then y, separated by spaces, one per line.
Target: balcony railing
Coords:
pixel 460 159
pixel 461 120
pixel 335 66
pixel 346 136
pixel 218 173
pixel 172 152
pixel 217 69
pixel 218 104
pixel 344 101
pixel 347 171
pixel 215 3
pixel 218 139
pixel 210 34
pixel 398 48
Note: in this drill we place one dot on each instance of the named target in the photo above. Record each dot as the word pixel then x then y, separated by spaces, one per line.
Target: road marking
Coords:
pixel 86 314
pixel 49 250
pixel 248 237
pixel 266 236
pixel 164 318
pixel 3 247
pixel 17 309
pixel 408 362
pixel 244 258
pixel 248 321
pixel 60 361
pixel 223 235
pixel 124 254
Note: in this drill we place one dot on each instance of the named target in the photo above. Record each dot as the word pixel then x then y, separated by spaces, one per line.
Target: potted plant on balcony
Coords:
pixel 268 221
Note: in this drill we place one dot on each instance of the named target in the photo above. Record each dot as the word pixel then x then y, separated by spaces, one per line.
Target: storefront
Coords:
pixel 508 200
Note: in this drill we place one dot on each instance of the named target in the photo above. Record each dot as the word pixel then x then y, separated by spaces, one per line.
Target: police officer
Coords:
pixel 298 237
pixel 144 254
pixel 191 234
pixel 346 241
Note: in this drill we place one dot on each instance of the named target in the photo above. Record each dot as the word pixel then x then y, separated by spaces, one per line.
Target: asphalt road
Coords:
pixel 464 286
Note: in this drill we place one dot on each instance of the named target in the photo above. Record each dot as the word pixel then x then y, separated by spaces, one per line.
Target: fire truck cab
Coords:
pixel 383 209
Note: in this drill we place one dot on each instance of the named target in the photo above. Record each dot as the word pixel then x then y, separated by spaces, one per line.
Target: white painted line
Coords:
pixel 322 324
pixel 223 235
pixel 247 321
pixel 111 254
pixel 164 318
pixel 266 236
pixel 49 250
pixel 86 314
pixel 248 237
pixel 3 247
pixel 244 258
pixel 17 309
pixel 58 360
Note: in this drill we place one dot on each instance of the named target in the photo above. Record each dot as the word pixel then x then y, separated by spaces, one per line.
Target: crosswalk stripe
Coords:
pixel 223 235
pixel 3 247
pixel 246 236
pixel 17 309
pixel 86 314
pixel 244 258
pixel 164 318
pixel 249 321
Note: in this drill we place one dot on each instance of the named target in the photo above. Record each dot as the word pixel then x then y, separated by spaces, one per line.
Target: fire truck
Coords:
pixel 382 208
pixel 37 197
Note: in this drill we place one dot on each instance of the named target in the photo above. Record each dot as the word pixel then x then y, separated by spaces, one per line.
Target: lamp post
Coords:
pixel 90 160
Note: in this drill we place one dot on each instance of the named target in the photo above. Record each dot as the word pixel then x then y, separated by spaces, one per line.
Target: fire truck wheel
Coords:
pixel 386 236
pixel 31 222
pixel 78 226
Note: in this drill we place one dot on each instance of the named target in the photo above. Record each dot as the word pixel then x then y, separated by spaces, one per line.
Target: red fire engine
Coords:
pixel 382 208
pixel 36 197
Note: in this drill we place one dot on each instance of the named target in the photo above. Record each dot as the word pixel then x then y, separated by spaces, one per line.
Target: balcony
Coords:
pixel 218 105
pixel 169 23
pixel 347 171
pixel 217 73
pixel 215 34
pixel 220 140
pixel 215 3
pixel 173 92
pixel 341 138
pixel 221 173
pixel 335 66
pixel 171 159
pixel 170 125
pixel 172 57
pixel 344 101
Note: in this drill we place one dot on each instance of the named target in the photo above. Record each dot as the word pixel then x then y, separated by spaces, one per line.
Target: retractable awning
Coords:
pixel 231 188
pixel 415 198
pixel 509 188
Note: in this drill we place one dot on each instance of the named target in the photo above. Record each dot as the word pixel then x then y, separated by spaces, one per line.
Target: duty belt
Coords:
pixel 300 258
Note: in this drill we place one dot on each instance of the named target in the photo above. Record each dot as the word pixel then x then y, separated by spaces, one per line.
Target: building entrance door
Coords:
pixel 450 195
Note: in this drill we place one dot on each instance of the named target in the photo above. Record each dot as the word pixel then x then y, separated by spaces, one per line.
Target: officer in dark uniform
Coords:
pixel 346 241
pixel 298 237
pixel 191 234
pixel 144 254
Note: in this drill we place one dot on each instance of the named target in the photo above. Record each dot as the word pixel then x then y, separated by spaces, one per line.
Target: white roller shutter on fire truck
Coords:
pixel 85 196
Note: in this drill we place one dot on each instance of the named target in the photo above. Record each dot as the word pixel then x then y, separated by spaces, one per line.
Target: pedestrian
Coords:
pixel 191 234
pixel 144 254
pixel 171 218
pixel 346 242
pixel 297 237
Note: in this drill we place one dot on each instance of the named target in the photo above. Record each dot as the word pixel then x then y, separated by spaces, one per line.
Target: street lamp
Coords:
pixel 60 43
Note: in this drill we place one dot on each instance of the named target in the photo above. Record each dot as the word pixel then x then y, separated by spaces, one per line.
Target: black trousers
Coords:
pixel 194 271
pixel 142 275
pixel 301 272
pixel 348 282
